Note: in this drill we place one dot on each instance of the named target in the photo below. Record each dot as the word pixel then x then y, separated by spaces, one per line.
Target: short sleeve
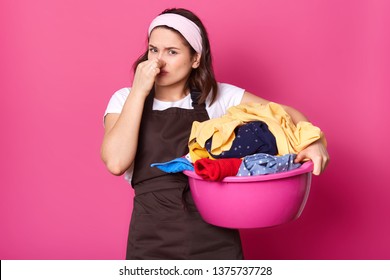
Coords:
pixel 115 105
pixel 227 96
pixel 117 101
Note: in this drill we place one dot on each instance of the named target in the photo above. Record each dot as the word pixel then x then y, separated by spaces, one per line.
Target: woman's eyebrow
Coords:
pixel 152 46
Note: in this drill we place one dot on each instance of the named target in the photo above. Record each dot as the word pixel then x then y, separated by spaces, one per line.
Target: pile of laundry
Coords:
pixel 250 139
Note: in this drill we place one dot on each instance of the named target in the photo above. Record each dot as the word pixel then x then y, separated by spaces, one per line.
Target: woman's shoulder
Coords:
pixel 227 96
pixel 226 87
pixel 117 101
pixel 122 93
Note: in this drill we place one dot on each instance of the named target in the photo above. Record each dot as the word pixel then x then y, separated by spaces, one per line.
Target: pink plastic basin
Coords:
pixel 252 201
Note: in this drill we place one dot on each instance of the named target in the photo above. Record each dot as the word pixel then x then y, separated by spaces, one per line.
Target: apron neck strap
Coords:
pixel 195 95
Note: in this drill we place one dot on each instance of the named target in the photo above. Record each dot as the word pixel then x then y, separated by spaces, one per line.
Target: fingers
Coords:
pixel 317 169
pixel 153 66
pixel 146 73
pixel 300 157
pixel 320 159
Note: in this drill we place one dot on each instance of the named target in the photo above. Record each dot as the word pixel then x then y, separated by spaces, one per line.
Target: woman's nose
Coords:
pixel 160 55
pixel 161 58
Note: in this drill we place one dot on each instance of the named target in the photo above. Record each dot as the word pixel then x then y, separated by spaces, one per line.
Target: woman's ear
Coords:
pixel 196 61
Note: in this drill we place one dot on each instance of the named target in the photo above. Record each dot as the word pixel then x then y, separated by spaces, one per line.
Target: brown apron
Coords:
pixel 165 223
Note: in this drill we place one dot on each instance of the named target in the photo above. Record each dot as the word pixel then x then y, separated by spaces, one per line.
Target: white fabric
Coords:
pixel 186 27
pixel 227 96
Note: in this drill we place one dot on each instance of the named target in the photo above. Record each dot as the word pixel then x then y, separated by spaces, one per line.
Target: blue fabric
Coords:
pixel 251 138
pixel 174 166
pixel 261 164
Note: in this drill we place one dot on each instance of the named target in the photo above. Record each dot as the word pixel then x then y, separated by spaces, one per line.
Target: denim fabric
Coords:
pixel 261 164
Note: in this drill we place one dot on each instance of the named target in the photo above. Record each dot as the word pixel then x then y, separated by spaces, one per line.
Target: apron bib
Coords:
pixel 165 223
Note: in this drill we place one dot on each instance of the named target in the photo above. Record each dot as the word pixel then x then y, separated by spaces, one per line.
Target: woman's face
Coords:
pixel 169 46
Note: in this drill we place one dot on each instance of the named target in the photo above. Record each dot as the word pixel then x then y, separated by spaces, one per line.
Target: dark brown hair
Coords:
pixel 201 78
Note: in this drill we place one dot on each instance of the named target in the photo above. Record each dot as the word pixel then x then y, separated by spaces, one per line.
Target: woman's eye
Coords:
pixel 153 50
pixel 172 52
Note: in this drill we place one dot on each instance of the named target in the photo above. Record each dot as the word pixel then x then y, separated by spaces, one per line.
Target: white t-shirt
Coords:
pixel 227 96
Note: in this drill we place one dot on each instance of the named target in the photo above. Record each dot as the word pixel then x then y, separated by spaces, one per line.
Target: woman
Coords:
pixel 173 86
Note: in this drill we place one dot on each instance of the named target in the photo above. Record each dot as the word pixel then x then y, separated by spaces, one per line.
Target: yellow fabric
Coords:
pixel 290 138
pixel 197 152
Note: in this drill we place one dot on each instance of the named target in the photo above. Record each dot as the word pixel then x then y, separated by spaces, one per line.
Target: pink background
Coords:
pixel 62 60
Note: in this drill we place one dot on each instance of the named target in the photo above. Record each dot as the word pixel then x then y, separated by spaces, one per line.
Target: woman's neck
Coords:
pixel 170 93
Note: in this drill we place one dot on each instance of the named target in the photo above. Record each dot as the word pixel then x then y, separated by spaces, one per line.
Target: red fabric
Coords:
pixel 216 170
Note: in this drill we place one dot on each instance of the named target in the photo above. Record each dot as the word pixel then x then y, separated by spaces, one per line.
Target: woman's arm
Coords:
pixel 121 135
pixel 121 130
pixel 295 115
pixel 316 152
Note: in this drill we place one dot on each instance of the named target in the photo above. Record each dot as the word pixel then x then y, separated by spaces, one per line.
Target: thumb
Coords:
pixel 300 156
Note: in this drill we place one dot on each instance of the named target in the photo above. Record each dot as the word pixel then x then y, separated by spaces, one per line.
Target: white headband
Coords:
pixel 186 27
